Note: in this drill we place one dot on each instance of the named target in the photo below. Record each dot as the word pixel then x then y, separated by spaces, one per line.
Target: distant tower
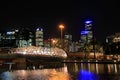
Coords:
pixel 67 42
pixel 87 33
pixel 88 28
pixel 39 37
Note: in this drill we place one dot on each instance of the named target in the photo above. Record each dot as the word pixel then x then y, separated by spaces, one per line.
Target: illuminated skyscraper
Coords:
pixel 87 33
pixel 39 37
pixel 88 28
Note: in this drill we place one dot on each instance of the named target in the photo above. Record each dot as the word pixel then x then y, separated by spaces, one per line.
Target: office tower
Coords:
pixel 39 36
pixel 87 34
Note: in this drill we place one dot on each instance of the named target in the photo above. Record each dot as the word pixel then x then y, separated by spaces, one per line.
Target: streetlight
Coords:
pixel 61 29
pixel 53 42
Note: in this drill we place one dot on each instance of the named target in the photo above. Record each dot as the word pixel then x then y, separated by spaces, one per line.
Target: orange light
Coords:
pixel 54 41
pixel 61 26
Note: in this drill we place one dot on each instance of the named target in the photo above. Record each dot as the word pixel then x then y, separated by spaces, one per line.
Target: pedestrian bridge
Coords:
pixel 43 51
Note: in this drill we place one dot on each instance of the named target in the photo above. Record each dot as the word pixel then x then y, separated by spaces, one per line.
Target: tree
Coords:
pixel 112 48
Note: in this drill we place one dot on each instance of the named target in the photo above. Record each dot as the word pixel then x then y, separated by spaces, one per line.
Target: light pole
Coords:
pixel 61 29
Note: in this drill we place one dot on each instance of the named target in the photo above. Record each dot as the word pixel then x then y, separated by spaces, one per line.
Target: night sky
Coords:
pixel 48 14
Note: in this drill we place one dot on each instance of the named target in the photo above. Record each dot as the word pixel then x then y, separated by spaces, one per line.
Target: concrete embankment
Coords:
pixel 35 58
pixel 22 61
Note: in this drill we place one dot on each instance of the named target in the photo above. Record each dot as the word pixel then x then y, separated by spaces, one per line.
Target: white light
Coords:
pixel 40 51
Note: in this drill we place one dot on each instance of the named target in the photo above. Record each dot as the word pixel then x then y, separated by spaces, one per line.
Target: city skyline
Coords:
pixel 50 14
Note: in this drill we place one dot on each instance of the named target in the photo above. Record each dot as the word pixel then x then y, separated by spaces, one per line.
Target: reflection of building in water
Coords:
pixel 44 74
pixel 86 75
pixel 62 73
pixel 94 68
pixel 56 75
pixel 112 68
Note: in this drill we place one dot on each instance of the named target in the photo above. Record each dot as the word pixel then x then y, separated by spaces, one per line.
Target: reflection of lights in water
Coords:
pixel 109 70
pixel 89 67
pixel 44 74
pixel 97 70
pixel 76 67
pixel 55 75
pixel 115 68
pixel 6 76
pixel 32 50
pixel 34 67
pixel 64 69
pixel 112 68
pixel 86 75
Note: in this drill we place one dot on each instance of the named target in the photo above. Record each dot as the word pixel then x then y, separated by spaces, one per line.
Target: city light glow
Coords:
pixel 44 74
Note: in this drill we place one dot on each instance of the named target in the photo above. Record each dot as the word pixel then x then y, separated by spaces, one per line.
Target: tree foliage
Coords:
pixel 112 48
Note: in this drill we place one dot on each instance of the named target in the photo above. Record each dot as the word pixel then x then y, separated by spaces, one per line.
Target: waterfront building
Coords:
pixel 24 37
pixel 113 38
pixel 74 47
pixel 67 42
pixel 112 46
pixel 39 37
pixel 8 39
pixel 16 38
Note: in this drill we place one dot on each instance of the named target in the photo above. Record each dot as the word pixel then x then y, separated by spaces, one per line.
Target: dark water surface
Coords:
pixel 60 71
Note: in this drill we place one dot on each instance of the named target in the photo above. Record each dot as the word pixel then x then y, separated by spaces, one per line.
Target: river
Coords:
pixel 60 71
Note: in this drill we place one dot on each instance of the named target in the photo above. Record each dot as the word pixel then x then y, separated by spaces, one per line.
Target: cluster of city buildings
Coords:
pixel 24 37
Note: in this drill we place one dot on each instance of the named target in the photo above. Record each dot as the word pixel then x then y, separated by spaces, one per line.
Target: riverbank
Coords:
pixel 16 58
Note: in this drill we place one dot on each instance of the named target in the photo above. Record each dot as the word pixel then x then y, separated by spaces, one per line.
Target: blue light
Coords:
pixel 10 32
pixel 88 22
pixel 84 32
pixel 86 75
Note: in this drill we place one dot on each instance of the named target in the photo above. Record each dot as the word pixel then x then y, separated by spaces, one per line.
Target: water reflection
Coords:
pixel 45 74
pixel 86 75
pixel 68 71
pixel 94 67
pixel 94 71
